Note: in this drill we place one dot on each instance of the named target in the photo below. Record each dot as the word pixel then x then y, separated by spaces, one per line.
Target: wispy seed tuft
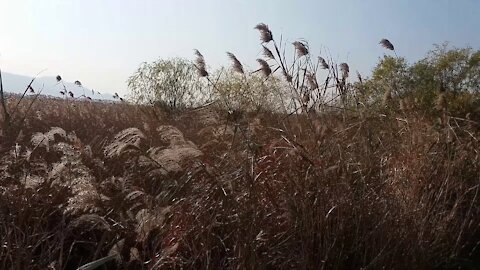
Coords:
pixel 265 33
pixel 267 53
pixel 200 64
pixel 264 67
pixel 312 81
pixel 301 48
pixel 387 44
pixel 323 63
pixel 236 65
pixel 345 69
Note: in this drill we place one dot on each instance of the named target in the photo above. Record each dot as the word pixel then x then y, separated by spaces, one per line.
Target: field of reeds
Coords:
pixel 141 187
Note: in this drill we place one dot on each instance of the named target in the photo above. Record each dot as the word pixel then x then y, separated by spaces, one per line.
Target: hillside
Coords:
pixel 48 86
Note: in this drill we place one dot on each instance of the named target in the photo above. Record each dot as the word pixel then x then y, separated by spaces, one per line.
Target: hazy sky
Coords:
pixel 102 42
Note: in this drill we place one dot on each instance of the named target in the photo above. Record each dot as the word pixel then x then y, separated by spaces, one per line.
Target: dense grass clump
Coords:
pixel 290 166
pixel 84 180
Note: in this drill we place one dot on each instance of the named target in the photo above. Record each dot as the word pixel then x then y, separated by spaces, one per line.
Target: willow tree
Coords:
pixel 172 82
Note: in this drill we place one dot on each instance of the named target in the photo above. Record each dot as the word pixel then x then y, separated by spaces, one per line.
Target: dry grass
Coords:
pixel 329 186
pixel 185 191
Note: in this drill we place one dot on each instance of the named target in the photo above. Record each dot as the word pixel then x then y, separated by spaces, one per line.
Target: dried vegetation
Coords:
pixel 142 188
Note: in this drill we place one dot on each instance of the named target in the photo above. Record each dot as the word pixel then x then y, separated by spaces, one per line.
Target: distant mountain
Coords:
pixel 49 86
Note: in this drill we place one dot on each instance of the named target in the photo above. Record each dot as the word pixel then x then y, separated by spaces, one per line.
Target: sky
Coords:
pixel 101 43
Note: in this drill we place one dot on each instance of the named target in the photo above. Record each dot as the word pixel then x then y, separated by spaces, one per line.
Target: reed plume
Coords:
pixel 236 65
pixel 312 81
pixel 267 53
pixel 200 64
pixel 301 48
pixel 345 69
pixel 265 33
pixel 323 63
pixel 387 44
pixel 264 67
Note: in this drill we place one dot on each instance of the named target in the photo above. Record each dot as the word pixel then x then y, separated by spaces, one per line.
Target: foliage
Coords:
pixel 423 84
pixel 457 68
pixel 251 93
pixel 444 69
pixel 390 75
pixel 171 82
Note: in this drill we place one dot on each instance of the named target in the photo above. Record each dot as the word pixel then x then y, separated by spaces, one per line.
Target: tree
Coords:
pixel 252 92
pixel 443 69
pixel 424 85
pixel 393 73
pixel 172 83
pixel 390 76
pixel 457 69
pixel 453 70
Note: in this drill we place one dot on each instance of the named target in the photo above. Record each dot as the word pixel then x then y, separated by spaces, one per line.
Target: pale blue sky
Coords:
pixel 102 42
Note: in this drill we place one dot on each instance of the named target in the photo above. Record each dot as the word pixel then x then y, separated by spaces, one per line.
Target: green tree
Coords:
pixel 251 92
pixel 390 76
pixel 443 69
pixel 392 72
pixel 454 70
pixel 172 83
pixel 423 83
pixel 457 69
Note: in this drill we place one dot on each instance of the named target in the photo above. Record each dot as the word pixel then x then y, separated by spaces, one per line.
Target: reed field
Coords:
pixel 328 170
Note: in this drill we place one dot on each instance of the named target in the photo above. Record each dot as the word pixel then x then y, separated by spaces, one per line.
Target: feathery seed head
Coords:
pixel 267 53
pixel 345 69
pixel 197 53
pixel 387 44
pixel 323 63
pixel 200 64
pixel 264 67
pixel 312 81
pixel 301 48
pixel 265 33
pixel 236 65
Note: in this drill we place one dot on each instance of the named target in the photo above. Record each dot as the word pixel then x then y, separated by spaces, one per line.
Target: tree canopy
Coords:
pixel 172 82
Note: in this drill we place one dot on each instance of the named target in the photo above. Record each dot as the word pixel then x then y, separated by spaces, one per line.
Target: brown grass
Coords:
pixel 183 191
pixel 330 186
